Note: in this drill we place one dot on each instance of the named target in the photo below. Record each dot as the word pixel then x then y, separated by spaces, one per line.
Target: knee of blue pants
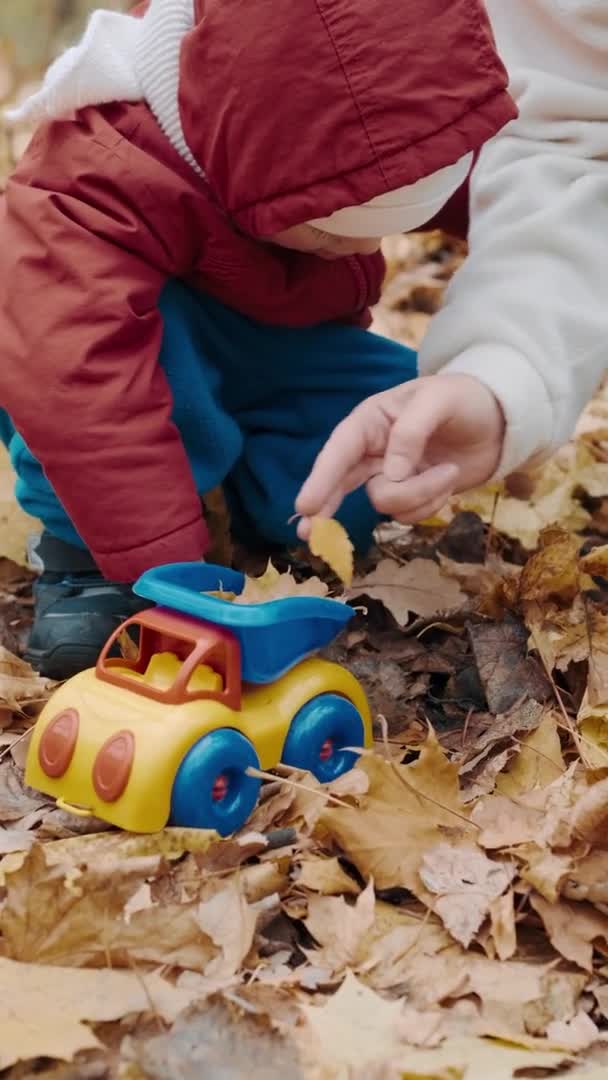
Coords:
pixel 191 357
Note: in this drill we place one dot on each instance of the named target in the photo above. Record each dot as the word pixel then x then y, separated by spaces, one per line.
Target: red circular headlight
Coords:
pixel 113 765
pixel 58 743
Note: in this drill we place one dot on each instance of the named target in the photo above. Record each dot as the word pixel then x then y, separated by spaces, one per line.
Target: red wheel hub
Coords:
pixel 220 788
pixel 326 750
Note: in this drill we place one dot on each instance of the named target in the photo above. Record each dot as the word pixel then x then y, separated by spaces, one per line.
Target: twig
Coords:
pixel 162 1027
pixel 7 750
pixel 570 727
pixel 259 774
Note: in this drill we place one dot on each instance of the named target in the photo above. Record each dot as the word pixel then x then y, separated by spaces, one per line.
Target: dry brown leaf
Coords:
pixel 275 586
pixel 466 883
pixel 423 796
pixel 504 822
pixel 418 588
pixel 538 763
pixel 19 683
pixel 553 573
pixel 44 1010
pixel 61 911
pixel 15 799
pixel 355 1028
pixel 596 561
pixel 546 871
pixel 577 1034
pixel 508 675
pixel 329 540
pixel 320 875
pixel 340 928
pixel 590 814
pixel 588 880
pixel 502 921
pixel 572 928
pixel 229 921
pixel 15 840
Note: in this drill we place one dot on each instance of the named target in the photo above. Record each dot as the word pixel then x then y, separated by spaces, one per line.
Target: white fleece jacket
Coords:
pixel 528 312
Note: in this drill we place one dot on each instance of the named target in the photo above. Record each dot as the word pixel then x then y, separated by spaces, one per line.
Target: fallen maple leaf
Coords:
pixel 20 685
pixel 502 921
pixel 320 875
pixel 546 871
pixel 355 1028
pixel 538 763
pixel 15 840
pixel 553 573
pixel 596 561
pixel 340 928
pixel 503 822
pixel 329 540
pixel 577 1034
pixel 15 799
pixel 466 882
pixel 572 928
pixel 43 1010
pixel 420 588
pixel 275 586
pixel 230 922
pixel 406 811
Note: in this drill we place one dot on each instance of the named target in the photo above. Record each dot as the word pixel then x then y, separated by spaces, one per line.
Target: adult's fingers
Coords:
pixel 423 413
pixel 343 454
pixel 409 499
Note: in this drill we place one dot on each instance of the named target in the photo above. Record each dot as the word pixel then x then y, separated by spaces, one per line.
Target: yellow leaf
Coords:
pixel 538 763
pixel 329 540
pixel 596 562
pixel 275 586
pixel 43 1009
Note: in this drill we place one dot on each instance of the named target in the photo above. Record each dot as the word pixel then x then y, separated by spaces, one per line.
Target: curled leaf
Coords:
pixel 329 540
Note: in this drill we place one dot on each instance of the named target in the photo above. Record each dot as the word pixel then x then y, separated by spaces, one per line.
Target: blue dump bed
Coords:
pixel 273 636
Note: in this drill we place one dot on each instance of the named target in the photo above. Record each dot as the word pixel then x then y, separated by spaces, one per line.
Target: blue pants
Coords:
pixel 254 404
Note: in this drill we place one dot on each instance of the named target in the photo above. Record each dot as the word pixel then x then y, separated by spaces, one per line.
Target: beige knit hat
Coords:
pixel 398 211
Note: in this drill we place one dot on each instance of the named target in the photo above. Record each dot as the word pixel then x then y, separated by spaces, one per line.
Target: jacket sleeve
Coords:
pixel 527 312
pixel 84 255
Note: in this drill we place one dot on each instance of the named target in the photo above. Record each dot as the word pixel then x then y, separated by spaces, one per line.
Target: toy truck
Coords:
pixel 210 690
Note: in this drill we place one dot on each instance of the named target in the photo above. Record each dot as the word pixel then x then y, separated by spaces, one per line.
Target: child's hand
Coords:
pixel 413 446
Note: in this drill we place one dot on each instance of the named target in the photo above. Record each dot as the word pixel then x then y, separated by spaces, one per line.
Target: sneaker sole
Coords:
pixel 62 662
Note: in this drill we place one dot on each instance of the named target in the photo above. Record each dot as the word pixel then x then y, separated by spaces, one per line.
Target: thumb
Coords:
pixel 425 411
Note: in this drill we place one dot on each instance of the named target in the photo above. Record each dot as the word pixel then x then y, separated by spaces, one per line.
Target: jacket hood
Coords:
pixel 297 109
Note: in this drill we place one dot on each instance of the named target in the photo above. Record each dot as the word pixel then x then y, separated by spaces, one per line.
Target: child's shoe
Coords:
pixel 76 609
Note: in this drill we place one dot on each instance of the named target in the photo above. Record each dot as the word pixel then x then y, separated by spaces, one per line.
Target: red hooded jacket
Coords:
pixel 292 110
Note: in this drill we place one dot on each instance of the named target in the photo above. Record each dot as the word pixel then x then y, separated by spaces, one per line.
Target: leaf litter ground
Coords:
pixel 441 912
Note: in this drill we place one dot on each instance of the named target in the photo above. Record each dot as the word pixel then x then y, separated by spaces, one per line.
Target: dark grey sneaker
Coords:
pixel 76 609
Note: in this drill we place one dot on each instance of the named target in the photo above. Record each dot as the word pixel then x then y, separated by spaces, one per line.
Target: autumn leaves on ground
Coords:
pixel 441 912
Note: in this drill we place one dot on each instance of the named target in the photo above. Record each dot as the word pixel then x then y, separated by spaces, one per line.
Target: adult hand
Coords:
pixel 412 446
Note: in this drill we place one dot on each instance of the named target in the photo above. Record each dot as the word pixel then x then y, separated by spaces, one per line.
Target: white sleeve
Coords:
pixel 528 311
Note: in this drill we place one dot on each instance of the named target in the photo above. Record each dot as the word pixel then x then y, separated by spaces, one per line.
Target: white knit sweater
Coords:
pixel 528 312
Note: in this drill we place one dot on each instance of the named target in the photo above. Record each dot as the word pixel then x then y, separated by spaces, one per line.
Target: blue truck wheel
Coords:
pixel 318 733
pixel 211 788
